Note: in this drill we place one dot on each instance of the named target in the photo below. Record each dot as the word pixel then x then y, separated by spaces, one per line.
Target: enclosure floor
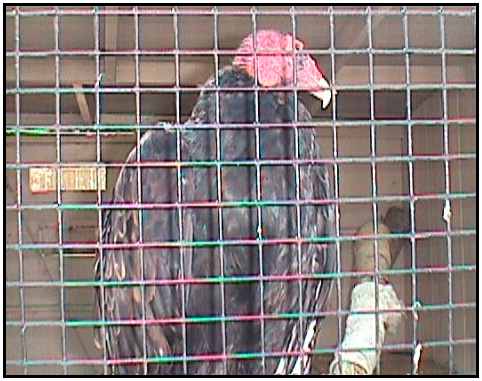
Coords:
pixel 391 364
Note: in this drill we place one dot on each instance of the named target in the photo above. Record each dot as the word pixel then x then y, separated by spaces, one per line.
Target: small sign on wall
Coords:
pixel 44 179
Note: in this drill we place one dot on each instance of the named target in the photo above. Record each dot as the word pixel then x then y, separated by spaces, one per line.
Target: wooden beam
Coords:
pixel 82 103
pixel 110 62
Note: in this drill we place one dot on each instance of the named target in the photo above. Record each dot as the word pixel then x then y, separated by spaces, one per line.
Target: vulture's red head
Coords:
pixel 274 53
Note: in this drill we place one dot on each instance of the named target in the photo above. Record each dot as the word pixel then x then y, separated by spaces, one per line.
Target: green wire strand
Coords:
pixel 217 319
pixel 230 279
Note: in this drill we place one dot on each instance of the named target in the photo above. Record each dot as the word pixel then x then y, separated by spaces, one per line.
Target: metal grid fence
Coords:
pixel 17 131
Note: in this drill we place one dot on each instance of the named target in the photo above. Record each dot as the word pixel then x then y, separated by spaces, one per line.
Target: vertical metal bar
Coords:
pixel 219 186
pixel 19 188
pixel 447 205
pixel 98 77
pixel 373 153
pixel 336 182
pixel 179 188
pixel 139 185
pixel 59 182
pixel 297 185
pixel 258 188
pixel 410 182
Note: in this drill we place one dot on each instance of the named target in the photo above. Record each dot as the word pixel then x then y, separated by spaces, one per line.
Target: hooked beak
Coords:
pixel 325 93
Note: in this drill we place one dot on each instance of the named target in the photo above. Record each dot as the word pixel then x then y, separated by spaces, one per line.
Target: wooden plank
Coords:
pixel 82 103
pixel 110 62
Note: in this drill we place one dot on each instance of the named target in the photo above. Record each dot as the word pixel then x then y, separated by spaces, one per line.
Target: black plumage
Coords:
pixel 199 184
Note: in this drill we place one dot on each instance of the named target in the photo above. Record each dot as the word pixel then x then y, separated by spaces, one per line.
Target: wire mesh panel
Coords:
pixel 116 184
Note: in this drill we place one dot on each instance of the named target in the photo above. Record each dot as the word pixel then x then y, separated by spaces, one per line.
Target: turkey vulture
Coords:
pixel 225 269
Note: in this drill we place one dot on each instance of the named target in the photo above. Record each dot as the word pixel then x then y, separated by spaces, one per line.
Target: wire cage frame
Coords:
pixel 455 191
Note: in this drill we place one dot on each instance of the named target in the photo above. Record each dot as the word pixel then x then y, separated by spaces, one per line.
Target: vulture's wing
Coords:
pixel 124 303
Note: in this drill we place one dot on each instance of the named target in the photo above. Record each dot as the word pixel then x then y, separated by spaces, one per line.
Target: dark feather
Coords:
pixel 238 183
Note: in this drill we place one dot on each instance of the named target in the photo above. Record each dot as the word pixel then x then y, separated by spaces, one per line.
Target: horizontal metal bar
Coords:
pixel 248 12
pixel 232 52
pixel 155 90
pixel 404 87
pixel 231 356
pixel 253 163
pixel 86 307
pixel 239 279
pixel 163 90
pixel 243 203
pixel 233 318
pixel 202 319
pixel 86 129
pixel 236 242
pixel 33 132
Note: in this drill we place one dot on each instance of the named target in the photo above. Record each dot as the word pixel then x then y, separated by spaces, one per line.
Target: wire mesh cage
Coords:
pixel 86 85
